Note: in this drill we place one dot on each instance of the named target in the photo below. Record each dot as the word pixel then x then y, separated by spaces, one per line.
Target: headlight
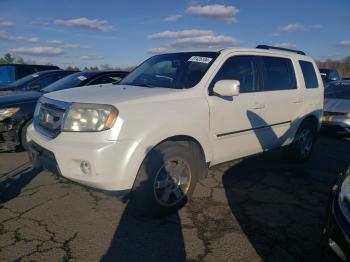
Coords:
pixel 7 112
pixel 89 118
pixel 344 196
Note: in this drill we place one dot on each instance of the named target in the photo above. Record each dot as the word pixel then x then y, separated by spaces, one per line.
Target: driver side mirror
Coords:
pixel 227 88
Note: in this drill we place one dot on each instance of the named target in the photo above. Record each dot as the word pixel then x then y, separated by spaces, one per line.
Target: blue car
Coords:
pixel 35 81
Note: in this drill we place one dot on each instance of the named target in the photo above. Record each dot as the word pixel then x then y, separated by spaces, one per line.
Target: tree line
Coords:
pixel 11 59
pixel 343 65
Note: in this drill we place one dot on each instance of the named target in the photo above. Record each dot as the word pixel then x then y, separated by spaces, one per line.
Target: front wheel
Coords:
pixel 165 180
pixel 304 141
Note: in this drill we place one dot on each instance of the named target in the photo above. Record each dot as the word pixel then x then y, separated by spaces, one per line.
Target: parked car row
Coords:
pixel 17 107
pixel 11 72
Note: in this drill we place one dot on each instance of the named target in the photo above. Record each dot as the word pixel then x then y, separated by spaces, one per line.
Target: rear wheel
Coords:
pixel 304 141
pixel 166 179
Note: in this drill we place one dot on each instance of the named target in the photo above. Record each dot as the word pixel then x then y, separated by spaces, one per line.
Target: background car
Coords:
pixel 336 233
pixel 17 109
pixel 336 114
pixel 35 81
pixel 87 78
pixel 329 75
pixel 12 72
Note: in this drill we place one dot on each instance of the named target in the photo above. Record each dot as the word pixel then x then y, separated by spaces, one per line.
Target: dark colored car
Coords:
pixel 35 81
pixel 17 109
pixel 336 111
pixel 329 75
pixel 336 233
pixel 11 72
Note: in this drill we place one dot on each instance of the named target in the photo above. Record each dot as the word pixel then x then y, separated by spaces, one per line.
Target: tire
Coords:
pixel 166 179
pixel 304 141
pixel 23 136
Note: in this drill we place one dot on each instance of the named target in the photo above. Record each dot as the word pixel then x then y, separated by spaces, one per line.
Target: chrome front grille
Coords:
pixel 49 116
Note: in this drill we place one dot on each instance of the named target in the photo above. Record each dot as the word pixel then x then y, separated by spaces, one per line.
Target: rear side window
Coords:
pixel 278 73
pixel 24 71
pixel 309 74
pixel 241 68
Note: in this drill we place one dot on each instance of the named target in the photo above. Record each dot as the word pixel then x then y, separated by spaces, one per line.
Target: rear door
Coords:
pixel 282 99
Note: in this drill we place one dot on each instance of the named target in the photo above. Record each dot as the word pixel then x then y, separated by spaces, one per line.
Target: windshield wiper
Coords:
pixel 139 84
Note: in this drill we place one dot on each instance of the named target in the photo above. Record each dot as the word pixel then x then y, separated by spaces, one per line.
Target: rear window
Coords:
pixel 278 74
pixel 309 74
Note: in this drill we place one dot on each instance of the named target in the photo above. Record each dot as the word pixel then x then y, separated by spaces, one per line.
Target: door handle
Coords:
pixel 258 106
pixel 297 100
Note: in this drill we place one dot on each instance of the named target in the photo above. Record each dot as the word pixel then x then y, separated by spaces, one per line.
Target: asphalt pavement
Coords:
pixel 261 208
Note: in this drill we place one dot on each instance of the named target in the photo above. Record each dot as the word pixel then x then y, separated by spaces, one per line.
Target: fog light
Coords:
pixel 85 167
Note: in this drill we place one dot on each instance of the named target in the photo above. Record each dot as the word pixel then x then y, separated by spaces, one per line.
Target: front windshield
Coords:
pixel 70 81
pixel 24 80
pixel 178 70
pixel 338 90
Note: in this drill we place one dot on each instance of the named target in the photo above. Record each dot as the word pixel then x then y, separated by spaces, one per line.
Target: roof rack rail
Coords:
pixel 280 48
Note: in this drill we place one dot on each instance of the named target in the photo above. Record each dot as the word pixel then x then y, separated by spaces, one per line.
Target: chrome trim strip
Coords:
pixel 252 129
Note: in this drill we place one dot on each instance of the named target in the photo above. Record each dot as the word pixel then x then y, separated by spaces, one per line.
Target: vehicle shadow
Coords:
pixel 281 205
pixel 12 182
pixel 139 238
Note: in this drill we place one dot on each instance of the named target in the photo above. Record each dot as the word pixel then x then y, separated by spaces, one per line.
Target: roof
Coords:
pixel 106 71
pixel 263 51
pixel 52 71
pixel 255 50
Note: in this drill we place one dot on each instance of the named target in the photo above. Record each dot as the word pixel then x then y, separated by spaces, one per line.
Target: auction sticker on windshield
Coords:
pixel 82 78
pixel 200 59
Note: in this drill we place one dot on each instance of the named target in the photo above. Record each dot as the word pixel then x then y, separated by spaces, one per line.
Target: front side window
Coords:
pixel 241 68
pixel 278 73
pixel 177 70
pixel 309 74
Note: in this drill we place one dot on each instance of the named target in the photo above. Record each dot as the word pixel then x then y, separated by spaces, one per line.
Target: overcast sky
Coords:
pixel 123 33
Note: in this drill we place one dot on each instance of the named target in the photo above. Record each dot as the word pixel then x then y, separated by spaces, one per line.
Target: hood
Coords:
pixel 337 105
pixel 16 98
pixel 115 94
pixel 8 87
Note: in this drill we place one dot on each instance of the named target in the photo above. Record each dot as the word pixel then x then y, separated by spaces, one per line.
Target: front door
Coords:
pixel 234 121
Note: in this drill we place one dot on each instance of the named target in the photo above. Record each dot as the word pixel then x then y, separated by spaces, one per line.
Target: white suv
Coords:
pixel 156 133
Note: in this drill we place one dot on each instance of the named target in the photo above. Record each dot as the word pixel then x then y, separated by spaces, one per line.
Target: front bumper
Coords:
pixel 336 236
pixel 8 136
pixel 113 165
